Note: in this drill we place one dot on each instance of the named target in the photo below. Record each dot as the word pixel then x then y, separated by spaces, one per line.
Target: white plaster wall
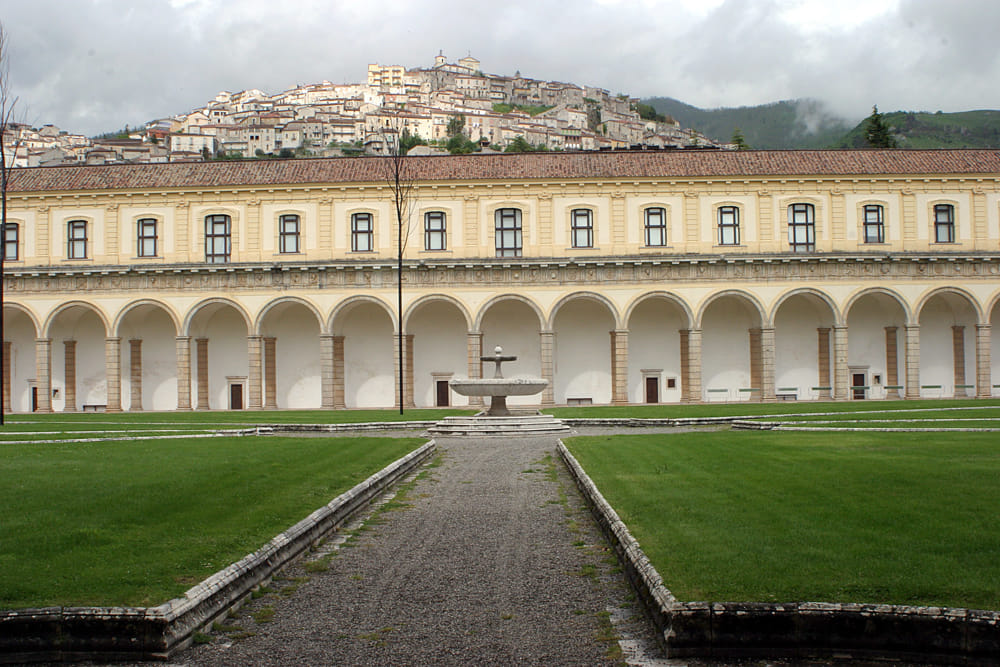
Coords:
pixel 298 379
pixel 796 344
pixel 227 356
pixel 583 352
pixel 937 356
pixel 19 330
pixel 159 359
pixel 725 348
pixel 91 379
pixel 654 342
pixel 995 349
pixel 514 326
pixel 369 372
pixel 440 345
pixel 866 324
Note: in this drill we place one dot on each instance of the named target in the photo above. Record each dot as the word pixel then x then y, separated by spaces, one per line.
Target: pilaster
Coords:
pixel 892 361
pixel 841 379
pixel 43 373
pixel 984 379
pixel 201 351
pixel 767 392
pixel 547 342
pixel 270 373
pixel 619 367
pixel 69 375
pixel 474 364
pixel 338 373
pixel 182 345
pixel 693 392
pixel 619 223
pixel 135 374
pixel 113 373
pixel 912 353
pixel 254 376
pixel 823 362
pixel 958 354
pixel 326 371
pixel 6 376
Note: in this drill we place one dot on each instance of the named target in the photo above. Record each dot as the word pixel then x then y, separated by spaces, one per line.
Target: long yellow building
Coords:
pixel 622 277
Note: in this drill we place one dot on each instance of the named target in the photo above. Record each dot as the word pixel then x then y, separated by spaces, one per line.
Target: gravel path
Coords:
pixel 489 557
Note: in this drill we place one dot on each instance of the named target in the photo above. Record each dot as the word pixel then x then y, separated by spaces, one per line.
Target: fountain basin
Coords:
pixel 498 386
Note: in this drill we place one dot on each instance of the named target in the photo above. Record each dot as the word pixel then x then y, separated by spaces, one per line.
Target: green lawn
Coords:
pixel 675 411
pixel 139 522
pixel 850 517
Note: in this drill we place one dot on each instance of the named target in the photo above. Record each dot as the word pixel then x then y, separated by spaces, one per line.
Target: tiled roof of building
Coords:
pixel 516 167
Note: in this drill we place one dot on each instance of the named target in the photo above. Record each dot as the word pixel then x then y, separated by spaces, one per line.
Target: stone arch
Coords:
pixel 981 317
pixel 215 301
pixel 658 294
pixel 429 298
pixel 124 312
pixel 280 301
pixel 62 308
pixel 484 308
pixel 584 295
pixel 892 294
pixel 740 294
pixel 819 294
pixel 350 303
pixel 24 310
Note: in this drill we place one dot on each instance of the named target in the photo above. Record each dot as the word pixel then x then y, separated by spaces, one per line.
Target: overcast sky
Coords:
pixel 91 66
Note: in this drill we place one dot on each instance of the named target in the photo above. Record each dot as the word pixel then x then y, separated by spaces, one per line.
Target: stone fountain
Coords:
pixel 498 419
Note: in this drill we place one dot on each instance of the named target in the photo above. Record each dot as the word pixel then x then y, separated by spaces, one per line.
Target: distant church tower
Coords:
pixel 439 59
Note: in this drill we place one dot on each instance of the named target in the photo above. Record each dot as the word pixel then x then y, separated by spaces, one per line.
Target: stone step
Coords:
pixel 532 424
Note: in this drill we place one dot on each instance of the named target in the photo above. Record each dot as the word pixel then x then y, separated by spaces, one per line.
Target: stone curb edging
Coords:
pixel 137 633
pixel 800 630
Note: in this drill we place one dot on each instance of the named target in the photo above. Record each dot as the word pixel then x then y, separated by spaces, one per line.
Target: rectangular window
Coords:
pixel 656 227
pixel 802 227
pixel 10 245
pixel 288 234
pixel 874 224
pixel 76 235
pixel 508 232
pixel 944 223
pixel 582 228
pixel 362 232
pixel 729 225
pixel 145 244
pixel 218 239
pixel 435 231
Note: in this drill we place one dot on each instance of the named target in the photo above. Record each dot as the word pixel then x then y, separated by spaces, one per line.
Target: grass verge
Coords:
pixel 137 523
pixel 838 517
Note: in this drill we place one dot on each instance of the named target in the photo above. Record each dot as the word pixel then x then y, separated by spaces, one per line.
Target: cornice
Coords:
pixel 490 272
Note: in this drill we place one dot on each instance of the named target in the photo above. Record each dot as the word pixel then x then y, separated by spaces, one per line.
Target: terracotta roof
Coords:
pixel 516 166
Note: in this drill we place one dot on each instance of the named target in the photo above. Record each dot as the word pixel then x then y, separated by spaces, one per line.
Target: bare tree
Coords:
pixel 397 172
pixel 8 146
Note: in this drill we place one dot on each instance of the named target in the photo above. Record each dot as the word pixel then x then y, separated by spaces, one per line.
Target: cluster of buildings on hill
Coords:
pixel 322 119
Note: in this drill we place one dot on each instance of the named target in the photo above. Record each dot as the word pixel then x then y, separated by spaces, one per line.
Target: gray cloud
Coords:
pixel 93 65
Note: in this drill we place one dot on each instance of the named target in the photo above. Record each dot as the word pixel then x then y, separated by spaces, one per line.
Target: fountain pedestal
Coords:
pixel 498 388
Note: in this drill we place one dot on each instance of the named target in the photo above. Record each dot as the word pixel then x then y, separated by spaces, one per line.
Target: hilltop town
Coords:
pixel 447 107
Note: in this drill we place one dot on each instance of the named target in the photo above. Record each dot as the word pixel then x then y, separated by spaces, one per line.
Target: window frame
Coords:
pixel 581 223
pixel 358 234
pixel 660 228
pixel 508 225
pixel 9 242
pixel 213 236
pixel 285 236
pixel 732 212
pixel 142 238
pixel 437 233
pixel 947 225
pixel 77 239
pixel 867 224
pixel 807 225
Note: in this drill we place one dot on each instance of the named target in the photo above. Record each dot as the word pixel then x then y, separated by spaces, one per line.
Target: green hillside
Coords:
pixel 966 129
pixel 807 124
pixel 786 124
